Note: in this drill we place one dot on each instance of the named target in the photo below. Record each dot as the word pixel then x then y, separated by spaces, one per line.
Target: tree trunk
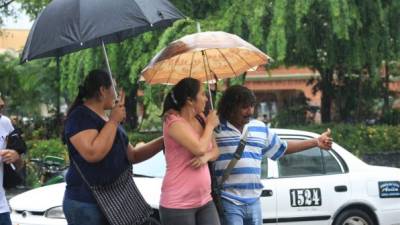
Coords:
pixel 131 106
pixel 6 4
pixel 58 95
pixel 386 90
pixel 341 102
pixel 58 124
pixel 327 94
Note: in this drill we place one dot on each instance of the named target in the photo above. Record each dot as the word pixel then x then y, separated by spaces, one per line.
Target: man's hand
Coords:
pixel 9 156
pixel 325 141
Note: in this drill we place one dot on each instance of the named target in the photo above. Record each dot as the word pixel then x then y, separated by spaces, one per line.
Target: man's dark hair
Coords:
pixel 233 99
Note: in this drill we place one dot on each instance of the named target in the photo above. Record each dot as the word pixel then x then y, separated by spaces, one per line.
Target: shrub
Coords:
pixel 42 148
pixel 359 138
pixel 136 137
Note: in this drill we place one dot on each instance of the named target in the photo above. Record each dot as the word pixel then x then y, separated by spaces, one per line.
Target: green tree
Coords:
pixel 5 9
pixel 27 86
pixel 336 37
pixel 345 41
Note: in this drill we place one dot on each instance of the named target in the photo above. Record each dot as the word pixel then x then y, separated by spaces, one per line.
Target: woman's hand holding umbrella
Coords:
pixel 118 112
pixel 212 119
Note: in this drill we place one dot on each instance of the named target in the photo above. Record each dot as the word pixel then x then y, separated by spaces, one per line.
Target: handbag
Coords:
pixel 12 178
pixel 120 201
pixel 216 188
pixel 16 142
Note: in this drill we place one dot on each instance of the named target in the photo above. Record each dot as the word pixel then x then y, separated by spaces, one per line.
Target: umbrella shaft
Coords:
pixel 109 69
pixel 207 76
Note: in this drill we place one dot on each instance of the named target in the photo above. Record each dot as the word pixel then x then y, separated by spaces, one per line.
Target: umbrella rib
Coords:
pixel 229 64
pixel 173 67
pixel 143 14
pixel 259 56
pixel 191 65
pixel 156 70
pixel 209 67
pixel 248 64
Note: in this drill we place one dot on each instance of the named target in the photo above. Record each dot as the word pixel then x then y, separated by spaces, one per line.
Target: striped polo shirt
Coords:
pixel 244 183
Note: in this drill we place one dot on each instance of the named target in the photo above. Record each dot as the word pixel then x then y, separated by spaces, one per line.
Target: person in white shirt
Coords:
pixel 6 156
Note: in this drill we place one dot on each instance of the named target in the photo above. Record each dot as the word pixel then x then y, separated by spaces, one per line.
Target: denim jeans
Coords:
pixel 5 218
pixel 83 213
pixel 242 214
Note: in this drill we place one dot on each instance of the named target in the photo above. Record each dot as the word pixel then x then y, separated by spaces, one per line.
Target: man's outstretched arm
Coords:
pixel 324 141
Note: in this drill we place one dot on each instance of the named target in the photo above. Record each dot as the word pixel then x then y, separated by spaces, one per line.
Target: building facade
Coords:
pixel 283 87
pixel 13 40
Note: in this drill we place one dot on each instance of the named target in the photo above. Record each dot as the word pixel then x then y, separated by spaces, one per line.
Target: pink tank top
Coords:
pixel 183 186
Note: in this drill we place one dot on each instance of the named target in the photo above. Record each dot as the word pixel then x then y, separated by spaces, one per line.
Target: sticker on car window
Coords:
pixel 389 189
pixel 305 197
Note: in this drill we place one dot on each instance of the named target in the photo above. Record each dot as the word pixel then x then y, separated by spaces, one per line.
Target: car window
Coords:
pixel 332 166
pixel 303 163
pixel 264 168
pixel 153 167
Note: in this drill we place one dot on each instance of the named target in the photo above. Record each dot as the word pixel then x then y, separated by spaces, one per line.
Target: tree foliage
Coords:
pixel 338 38
pixel 346 41
pixel 26 87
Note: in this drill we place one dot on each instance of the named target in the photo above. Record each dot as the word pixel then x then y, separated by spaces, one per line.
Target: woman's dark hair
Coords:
pixel 91 87
pixel 185 89
pixel 233 99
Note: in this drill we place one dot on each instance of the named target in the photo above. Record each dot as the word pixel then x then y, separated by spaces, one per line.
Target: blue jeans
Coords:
pixel 5 218
pixel 83 213
pixel 242 214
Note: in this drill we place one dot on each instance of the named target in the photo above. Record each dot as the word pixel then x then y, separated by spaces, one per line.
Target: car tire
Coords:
pixel 353 216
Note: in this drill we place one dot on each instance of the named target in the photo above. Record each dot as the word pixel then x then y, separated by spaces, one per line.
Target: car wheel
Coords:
pixel 353 217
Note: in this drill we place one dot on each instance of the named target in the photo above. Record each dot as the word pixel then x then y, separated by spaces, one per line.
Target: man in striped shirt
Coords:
pixel 241 191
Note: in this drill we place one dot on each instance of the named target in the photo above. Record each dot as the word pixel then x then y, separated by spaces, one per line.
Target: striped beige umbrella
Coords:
pixel 206 56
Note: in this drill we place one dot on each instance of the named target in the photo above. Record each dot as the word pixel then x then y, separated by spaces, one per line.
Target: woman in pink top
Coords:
pixel 186 190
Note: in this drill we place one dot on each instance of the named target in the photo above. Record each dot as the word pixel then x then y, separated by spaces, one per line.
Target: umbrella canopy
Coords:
pixel 66 26
pixel 205 56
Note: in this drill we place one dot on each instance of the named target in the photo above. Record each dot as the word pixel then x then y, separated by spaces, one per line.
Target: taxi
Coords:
pixel 313 187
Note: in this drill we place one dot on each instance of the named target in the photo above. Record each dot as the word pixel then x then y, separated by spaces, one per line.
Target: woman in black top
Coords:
pixel 98 145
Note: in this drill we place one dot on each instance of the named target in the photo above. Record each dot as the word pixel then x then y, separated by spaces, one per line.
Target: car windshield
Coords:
pixel 153 167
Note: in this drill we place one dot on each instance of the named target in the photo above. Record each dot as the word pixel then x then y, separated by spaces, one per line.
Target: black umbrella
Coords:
pixel 66 26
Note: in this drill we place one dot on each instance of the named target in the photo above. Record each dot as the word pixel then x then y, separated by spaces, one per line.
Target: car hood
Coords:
pixel 39 199
pixel 43 198
pixel 150 189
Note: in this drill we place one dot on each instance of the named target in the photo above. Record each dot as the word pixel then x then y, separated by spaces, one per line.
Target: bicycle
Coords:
pixel 46 171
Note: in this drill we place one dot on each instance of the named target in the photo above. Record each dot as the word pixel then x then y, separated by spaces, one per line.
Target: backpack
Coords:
pixel 11 178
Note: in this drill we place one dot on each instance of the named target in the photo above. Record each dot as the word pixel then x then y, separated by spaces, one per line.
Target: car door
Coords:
pixel 310 186
pixel 268 196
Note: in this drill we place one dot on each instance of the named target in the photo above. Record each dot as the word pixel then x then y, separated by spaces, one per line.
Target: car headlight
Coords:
pixel 55 213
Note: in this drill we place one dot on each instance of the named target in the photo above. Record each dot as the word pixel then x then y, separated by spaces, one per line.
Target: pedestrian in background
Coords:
pixel 8 156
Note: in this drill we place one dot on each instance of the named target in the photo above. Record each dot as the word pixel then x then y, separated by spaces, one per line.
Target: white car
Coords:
pixel 313 187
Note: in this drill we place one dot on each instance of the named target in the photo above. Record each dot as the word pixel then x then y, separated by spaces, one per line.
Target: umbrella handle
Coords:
pixel 207 76
pixel 209 94
pixel 109 70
